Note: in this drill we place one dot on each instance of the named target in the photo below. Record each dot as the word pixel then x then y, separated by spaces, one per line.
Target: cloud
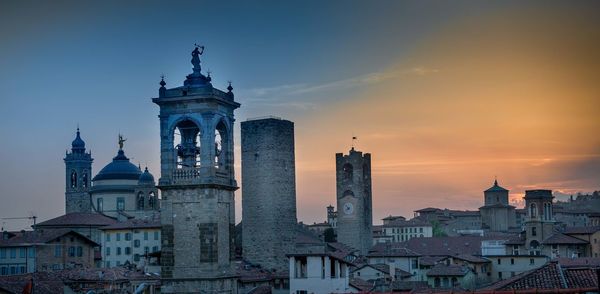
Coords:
pixel 266 94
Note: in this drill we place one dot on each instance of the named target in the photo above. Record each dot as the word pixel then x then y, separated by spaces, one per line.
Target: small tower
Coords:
pixel 354 200
pixel 197 185
pixel 539 222
pixel 331 216
pixel 78 170
pixel 146 195
pixel 496 214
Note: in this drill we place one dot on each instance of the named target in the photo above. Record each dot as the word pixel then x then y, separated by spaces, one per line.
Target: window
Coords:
pixel 145 235
pixel 127 236
pixel 107 237
pixel 146 249
pixel 108 263
pixel 533 210
pixel 107 251
pixel 13 253
pixel 348 171
pixel 127 250
pixel 31 252
pixel 2 253
pixel 120 203
pixel 531 261
pixel 136 257
pixel 13 270
pixel 534 231
pixel 156 235
pixel 512 261
pixel 79 251
pixel 99 205
pixel 500 275
pixel 136 243
pixel 22 252
pixel 85 180
pixel 420 230
pixel 4 271
pixel 118 263
pixel 22 269
pixel 57 251
pixel 414 263
pixel 152 201
pixel 118 250
pixel 515 249
pixel 71 251
pixel 499 261
pixel 73 179
pixel 118 236
pixel 154 248
pixel 333 268
pixel 140 201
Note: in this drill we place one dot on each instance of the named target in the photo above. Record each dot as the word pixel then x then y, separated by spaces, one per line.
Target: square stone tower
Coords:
pixel 197 185
pixel 354 200
pixel 78 171
pixel 268 192
pixel 539 222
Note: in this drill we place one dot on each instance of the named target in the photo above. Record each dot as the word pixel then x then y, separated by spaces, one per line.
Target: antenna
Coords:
pixel 354 138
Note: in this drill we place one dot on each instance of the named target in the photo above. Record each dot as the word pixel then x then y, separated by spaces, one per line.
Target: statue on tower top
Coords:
pixel 121 141
pixel 196 57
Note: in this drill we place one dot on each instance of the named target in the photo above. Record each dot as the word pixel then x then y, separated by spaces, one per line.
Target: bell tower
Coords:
pixel 197 185
pixel 78 170
pixel 354 200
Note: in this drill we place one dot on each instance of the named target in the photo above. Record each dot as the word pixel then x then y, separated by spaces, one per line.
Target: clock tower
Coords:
pixel 354 200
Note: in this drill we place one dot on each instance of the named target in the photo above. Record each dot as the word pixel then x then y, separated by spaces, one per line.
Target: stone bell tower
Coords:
pixel 197 185
pixel 354 200
pixel 78 171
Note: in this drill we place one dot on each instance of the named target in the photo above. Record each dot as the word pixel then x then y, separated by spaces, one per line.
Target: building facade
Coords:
pixel 268 191
pixel 197 185
pixel 130 242
pixel 354 200
pixel 401 230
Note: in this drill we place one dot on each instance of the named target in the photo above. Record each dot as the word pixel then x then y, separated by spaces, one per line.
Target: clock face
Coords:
pixel 348 208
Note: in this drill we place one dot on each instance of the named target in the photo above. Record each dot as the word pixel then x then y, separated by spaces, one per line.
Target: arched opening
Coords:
pixel 534 247
pixel 73 179
pixel 221 146
pixel 140 201
pixel 151 200
pixel 533 210
pixel 348 171
pixel 547 211
pixel 348 193
pixel 84 180
pixel 187 144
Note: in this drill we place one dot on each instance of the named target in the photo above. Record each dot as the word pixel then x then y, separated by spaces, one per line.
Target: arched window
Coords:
pixel 221 146
pixel 348 193
pixel 547 211
pixel 348 171
pixel 151 200
pixel 140 201
pixel 187 144
pixel 84 180
pixel 533 210
pixel 73 179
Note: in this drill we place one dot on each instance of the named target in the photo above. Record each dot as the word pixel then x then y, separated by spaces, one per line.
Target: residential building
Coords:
pixel 45 250
pixel 130 242
pixel 591 234
pixel 403 230
pixel 318 270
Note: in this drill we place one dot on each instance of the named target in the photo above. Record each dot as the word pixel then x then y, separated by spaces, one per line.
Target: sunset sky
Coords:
pixel 444 95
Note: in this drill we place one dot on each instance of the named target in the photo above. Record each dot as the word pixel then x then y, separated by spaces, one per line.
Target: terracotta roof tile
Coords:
pixel 73 219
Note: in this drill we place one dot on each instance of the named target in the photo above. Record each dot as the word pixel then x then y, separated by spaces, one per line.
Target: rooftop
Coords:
pixel 78 219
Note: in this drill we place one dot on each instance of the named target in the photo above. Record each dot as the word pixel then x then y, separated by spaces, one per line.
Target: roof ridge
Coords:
pixel 563 281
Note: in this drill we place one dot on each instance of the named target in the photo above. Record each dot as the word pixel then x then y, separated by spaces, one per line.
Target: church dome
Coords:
pixel 119 169
pixel 78 143
pixel 146 177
